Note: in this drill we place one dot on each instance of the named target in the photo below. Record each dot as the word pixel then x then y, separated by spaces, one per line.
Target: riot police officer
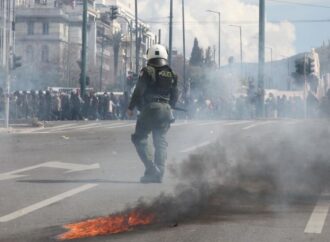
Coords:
pixel 154 95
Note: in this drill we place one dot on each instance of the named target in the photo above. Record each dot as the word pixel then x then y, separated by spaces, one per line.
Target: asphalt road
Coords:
pixel 72 171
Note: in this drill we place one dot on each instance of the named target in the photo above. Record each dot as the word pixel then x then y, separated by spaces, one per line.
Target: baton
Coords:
pixel 180 109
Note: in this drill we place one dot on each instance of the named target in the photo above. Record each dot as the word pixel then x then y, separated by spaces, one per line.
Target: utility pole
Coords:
pixel 288 67
pixel 241 46
pixel 219 41
pixel 102 59
pixel 5 61
pixel 131 47
pixel 219 38
pixel 7 56
pixel 136 39
pixel 271 66
pixel 68 56
pixel 84 52
pixel 159 36
pixel 261 68
pixel 305 86
pixel 184 53
pixel 289 81
pixel 171 33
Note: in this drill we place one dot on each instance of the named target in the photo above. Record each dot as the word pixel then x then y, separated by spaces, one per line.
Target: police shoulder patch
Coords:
pixel 165 74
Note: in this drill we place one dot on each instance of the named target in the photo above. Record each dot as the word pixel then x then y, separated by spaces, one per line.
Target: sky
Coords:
pixel 285 37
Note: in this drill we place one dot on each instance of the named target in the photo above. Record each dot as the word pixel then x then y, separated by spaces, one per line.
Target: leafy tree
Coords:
pixel 208 61
pixel 196 58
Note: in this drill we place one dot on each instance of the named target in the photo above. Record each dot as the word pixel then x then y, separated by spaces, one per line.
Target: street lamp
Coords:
pixel 241 45
pixel 83 67
pixel 184 52
pixel 219 47
pixel 271 62
pixel 136 39
pixel 271 52
pixel 261 59
pixel 170 33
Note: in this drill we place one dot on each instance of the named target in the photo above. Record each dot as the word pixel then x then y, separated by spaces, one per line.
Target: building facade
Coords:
pixel 125 25
pixel 49 39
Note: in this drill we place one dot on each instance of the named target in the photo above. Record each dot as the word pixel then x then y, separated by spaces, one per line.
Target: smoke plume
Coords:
pixel 237 174
pixel 245 172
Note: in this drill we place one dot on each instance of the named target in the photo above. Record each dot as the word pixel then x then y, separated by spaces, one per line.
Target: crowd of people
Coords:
pixel 49 105
pixel 245 107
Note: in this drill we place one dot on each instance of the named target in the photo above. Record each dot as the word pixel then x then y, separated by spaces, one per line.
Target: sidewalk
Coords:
pixel 14 126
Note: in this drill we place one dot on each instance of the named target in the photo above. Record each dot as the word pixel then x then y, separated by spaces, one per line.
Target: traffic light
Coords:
pixel 310 66
pixel 114 12
pixel 17 61
pixel 300 66
pixel 106 17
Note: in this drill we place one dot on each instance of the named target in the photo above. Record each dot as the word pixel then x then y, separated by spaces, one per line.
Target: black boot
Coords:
pixel 151 175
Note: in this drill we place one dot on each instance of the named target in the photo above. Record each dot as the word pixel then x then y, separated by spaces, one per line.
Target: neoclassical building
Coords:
pixel 49 39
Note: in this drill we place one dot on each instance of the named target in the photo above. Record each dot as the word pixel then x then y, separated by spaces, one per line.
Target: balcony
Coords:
pixel 24 13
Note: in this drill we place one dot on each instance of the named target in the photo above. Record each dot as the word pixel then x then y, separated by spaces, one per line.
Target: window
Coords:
pixel 30 28
pixel 29 53
pixel 41 2
pixel 66 29
pixel 45 53
pixel 45 28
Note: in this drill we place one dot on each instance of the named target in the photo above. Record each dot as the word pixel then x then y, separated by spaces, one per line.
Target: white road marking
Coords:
pixel 210 123
pixel 84 126
pixel 121 126
pixel 319 215
pixel 61 126
pixel 181 123
pixel 257 124
pixel 71 167
pixel 237 123
pixel 113 125
pixel 88 126
pixel 54 128
pixel 44 203
pixel 196 147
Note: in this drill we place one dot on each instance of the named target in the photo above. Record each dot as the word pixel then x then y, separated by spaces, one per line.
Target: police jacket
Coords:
pixel 155 84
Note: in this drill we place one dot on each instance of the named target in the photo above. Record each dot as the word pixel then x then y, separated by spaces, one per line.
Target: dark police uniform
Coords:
pixel 155 93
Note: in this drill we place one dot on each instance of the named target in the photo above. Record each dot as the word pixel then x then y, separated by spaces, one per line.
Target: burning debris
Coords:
pixel 107 225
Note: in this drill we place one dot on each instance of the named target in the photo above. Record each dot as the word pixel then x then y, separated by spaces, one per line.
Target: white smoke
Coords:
pixel 204 26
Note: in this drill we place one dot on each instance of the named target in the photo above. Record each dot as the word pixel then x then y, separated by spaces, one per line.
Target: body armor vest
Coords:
pixel 160 86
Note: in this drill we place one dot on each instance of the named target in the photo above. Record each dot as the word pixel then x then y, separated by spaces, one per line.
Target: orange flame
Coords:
pixel 106 225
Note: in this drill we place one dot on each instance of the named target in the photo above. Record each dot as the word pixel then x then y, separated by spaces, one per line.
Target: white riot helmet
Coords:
pixel 157 52
pixel 157 55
